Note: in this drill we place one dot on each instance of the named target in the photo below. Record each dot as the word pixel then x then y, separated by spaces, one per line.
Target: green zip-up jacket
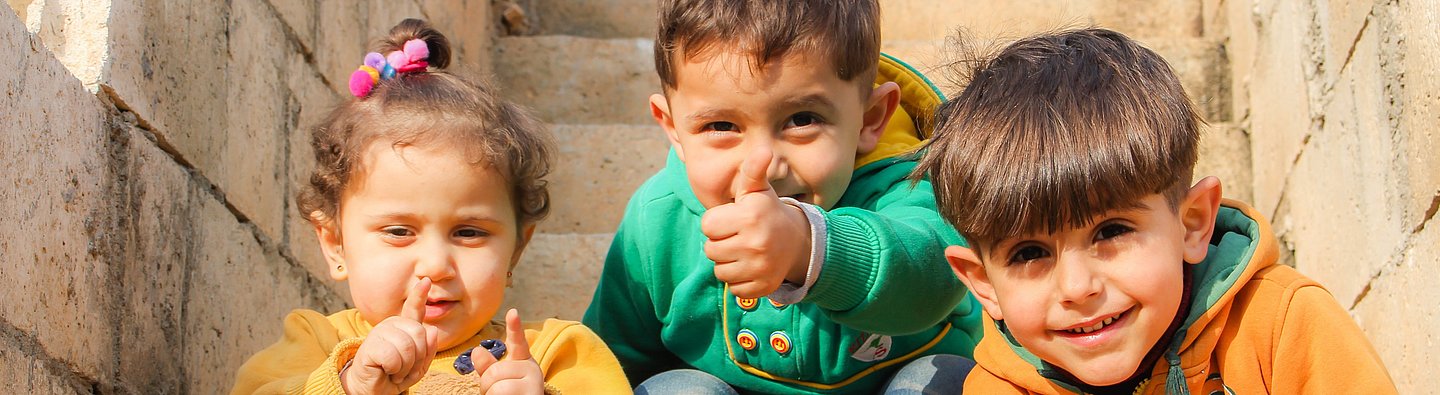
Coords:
pixel 884 296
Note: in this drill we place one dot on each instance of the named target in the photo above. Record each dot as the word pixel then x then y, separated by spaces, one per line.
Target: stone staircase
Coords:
pixel 586 68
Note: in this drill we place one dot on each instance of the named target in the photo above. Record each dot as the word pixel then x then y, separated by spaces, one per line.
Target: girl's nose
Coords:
pixel 436 260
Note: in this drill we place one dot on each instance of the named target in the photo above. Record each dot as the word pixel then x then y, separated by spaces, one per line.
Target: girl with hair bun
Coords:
pixel 427 189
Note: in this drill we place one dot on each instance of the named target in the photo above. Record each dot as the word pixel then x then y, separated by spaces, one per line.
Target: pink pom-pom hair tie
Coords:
pixel 411 58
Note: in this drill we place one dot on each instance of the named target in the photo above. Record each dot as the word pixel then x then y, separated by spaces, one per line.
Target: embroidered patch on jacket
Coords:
pixel 870 347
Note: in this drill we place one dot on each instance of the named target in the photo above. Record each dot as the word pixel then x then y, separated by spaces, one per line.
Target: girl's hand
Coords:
pixel 397 352
pixel 517 374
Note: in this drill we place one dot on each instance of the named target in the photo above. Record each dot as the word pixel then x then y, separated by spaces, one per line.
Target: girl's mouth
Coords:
pixel 436 309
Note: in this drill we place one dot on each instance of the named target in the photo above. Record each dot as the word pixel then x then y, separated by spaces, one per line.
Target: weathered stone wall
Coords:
pixel 154 148
pixel 1341 100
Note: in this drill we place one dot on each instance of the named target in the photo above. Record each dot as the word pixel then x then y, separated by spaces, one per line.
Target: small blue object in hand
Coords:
pixel 496 347
pixel 465 365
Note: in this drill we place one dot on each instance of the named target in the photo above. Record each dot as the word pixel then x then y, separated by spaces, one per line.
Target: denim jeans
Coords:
pixel 934 374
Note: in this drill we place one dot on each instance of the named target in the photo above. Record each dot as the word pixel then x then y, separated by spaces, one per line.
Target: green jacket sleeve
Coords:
pixel 623 312
pixel 885 270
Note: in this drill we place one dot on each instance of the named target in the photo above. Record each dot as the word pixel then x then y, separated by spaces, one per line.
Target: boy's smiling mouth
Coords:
pixel 1093 328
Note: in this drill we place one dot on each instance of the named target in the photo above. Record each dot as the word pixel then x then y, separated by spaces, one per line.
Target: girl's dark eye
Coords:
pixel 469 233
pixel 397 231
pixel 721 127
pixel 1110 231
pixel 802 120
pixel 1027 254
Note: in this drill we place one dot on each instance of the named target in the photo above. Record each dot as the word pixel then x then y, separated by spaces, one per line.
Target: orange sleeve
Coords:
pixel 1320 349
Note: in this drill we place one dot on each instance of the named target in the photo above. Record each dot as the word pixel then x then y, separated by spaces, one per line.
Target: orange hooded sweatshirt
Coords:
pixel 1253 327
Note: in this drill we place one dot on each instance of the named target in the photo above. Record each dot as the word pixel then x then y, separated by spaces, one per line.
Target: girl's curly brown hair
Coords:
pixel 430 107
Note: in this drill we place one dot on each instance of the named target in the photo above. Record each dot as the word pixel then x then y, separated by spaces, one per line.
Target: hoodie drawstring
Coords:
pixel 1175 379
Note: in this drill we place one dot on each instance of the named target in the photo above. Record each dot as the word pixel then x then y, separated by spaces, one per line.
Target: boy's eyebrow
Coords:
pixel 706 114
pixel 808 101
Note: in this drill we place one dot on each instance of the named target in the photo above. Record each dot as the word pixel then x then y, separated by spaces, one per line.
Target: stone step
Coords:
pixel 936 20
pixel 578 80
pixel 598 167
pixel 1225 154
pixel 592 18
pixel 1200 64
pixel 900 19
pixel 1203 70
pixel 556 276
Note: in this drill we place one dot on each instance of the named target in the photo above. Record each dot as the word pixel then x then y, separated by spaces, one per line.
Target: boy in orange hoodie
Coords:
pixel 1067 163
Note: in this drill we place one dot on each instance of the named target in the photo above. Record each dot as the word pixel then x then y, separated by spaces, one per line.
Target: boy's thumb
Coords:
pixel 753 176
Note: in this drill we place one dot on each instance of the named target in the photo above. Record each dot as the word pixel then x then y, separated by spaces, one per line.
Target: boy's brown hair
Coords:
pixel 1056 129
pixel 846 31
pixel 428 107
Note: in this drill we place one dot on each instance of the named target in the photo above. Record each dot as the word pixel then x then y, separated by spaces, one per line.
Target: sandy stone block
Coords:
pixel 557 77
pixel 19 7
pixel 311 101
pixel 596 170
pixel 1200 65
pixel 1346 180
pixel 557 275
pixel 1225 154
pixel 932 20
pixel 299 15
pixel 341 41
pixel 1147 19
pixel 1421 112
pixel 249 161
pixel 936 20
pixel 469 26
pixel 1214 18
pixel 1280 115
pixel 595 19
pixel 1345 20
pixel 57 207
pixel 160 219
pixel 23 373
pixel 175 83
pixel 237 297
pixel 1241 49
pixel 75 31
pixel 1399 314
pixel 382 15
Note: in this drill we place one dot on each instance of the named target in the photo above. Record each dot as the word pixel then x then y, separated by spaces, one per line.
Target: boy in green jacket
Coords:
pixel 782 248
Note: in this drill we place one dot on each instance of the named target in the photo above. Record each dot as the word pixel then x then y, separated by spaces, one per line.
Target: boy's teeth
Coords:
pixel 1097 326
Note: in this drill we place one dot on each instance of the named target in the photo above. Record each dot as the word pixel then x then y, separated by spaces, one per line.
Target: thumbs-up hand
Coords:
pixel 757 242
pixel 397 353
pixel 518 373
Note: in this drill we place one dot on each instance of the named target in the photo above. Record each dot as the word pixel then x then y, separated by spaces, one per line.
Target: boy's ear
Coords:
pixel 968 268
pixel 881 104
pixel 660 110
pixel 526 233
pixel 330 246
pixel 1197 212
